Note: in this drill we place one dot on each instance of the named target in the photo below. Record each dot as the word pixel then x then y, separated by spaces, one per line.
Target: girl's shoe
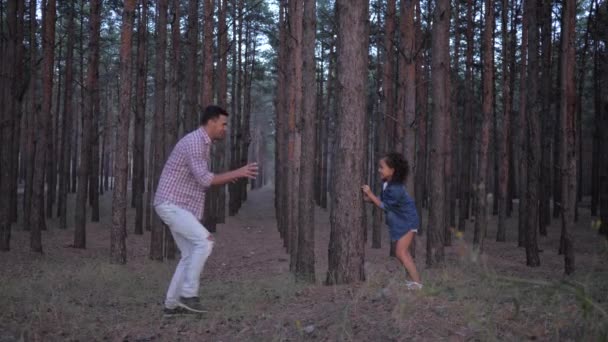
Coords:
pixel 412 285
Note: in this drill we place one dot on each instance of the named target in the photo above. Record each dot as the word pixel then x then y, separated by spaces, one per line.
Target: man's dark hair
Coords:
pixel 212 112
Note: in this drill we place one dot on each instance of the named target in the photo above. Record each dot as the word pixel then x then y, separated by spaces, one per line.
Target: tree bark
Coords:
pixel 139 129
pixel 172 113
pixel 222 89
pixel 547 122
pixel 43 123
pixel 533 138
pixel 294 110
pixel 8 102
pixel 421 116
pixel 212 201
pixel 468 126
pixel 67 121
pixel 32 111
pixel 118 248
pixel 407 82
pixel 280 115
pixel 52 133
pixel 94 139
pixel 481 215
pixel 305 264
pixel 568 132
pixel 505 133
pixel 602 112
pixel 191 110
pixel 388 111
pixel 346 245
pixel 440 77
pixel 156 237
pixel 523 88
pixel 85 151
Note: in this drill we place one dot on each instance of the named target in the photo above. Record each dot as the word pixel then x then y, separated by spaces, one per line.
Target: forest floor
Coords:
pixel 68 294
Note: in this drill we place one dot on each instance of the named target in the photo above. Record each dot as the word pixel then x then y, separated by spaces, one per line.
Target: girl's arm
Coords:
pixel 370 195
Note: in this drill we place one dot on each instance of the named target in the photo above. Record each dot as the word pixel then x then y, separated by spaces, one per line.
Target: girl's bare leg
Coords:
pixel 403 254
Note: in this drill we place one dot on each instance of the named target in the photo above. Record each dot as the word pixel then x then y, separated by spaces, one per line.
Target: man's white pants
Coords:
pixel 192 239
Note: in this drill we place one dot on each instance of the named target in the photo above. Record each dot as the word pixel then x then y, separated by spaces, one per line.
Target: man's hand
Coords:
pixel 248 171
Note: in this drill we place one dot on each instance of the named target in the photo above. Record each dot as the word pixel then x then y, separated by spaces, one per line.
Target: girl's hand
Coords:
pixel 366 189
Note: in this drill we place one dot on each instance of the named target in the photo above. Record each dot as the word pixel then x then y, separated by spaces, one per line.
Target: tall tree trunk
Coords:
pixel 421 116
pixel 8 102
pixel 547 122
pixel 207 80
pixel 294 110
pixel 533 138
pixel 139 129
pixel 118 248
pixel 19 89
pixel 156 237
pixel 512 137
pixel 406 99
pixel 78 137
pixel 557 177
pixel 505 133
pixel 453 145
pixel 579 109
pixel 52 134
pixel 523 88
pixel 468 125
pixel 388 84
pixel 568 133
pixel 32 110
pixel 388 110
pixel 601 94
pixel 107 140
pixel 67 121
pixel 481 215
pixel 280 115
pixel 407 82
pixel 305 264
pixel 43 123
pixel 596 104
pixel 329 113
pixel 191 110
pixel 346 244
pixel 440 77
pixel 319 119
pixel 150 182
pixel 235 129
pixel 94 174
pixel 222 89
pixel 85 151
pixel 248 81
pixel 172 114
pixel 102 137
pixel 596 163
pixel 212 201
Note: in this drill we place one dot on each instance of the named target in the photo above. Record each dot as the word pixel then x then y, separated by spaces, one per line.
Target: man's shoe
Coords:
pixel 192 304
pixel 168 312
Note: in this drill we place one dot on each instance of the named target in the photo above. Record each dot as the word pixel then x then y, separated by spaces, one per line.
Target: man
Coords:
pixel 179 202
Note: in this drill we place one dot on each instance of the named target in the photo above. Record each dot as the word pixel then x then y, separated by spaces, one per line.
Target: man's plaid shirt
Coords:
pixel 186 175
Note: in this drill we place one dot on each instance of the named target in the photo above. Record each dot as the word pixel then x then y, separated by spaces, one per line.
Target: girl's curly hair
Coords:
pixel 397 162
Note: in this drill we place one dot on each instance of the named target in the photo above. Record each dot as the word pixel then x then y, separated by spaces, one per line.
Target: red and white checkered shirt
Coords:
pixel 186 175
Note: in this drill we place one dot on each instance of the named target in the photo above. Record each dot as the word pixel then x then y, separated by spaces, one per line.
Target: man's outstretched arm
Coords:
pixel 248 171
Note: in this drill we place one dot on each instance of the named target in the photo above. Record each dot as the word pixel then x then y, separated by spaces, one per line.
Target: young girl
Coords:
pixel 401 216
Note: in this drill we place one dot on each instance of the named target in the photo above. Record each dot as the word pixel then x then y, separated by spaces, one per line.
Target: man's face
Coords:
pixel 217 127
